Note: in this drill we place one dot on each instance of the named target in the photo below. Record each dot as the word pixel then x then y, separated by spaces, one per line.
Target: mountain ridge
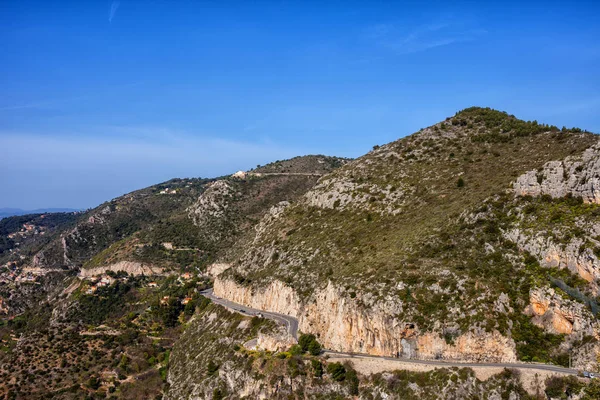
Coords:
pixel 475 239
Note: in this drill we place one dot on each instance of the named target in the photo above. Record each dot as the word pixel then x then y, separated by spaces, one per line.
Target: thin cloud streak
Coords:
pixel 422 38
pixel 114 6
pixel 86 170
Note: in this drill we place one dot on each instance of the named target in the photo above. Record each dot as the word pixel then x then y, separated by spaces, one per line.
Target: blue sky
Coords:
pixel 103 97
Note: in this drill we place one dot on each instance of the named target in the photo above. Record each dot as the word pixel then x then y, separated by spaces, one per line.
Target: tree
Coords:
pixel 352 379
pixel 308 342
pixel 314 348
pixel 460 183
pixel 189 308
pixel 337 371
pixel 212 368
pixel 305 340
pixel 317 368
pixel 124 362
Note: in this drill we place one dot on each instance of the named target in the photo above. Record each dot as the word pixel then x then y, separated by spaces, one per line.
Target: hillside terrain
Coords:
pixel 100 297
pixel 474 240
pixel 11 212
pixel 423 245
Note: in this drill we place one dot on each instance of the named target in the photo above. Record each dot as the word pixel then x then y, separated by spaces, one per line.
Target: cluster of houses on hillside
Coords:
pixel 27 230
pixel 101 281
pixel 168 191
pixel 12 273
pixel 165 300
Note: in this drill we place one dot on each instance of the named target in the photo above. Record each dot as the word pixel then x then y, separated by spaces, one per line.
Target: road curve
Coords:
pixel 292 324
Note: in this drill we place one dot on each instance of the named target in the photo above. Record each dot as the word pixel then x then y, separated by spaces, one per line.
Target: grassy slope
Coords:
pixel 252 198
pixel 361 244
pixel 451 270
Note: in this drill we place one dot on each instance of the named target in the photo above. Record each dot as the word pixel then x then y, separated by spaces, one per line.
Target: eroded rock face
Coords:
pixel 276 297
pixel 280 341
pixel 131 267
pixel 341 193
pixel 342 325
pixel 216 269
pixel 573 256
pixel 273 214
pixel 213 203
pixel 559 315
pixel 578 176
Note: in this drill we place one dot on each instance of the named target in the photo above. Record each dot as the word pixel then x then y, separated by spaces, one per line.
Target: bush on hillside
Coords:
pixel 337 371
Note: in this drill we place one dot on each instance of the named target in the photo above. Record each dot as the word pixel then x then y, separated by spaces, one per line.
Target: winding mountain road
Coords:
pixel 292 325
pixel 290 322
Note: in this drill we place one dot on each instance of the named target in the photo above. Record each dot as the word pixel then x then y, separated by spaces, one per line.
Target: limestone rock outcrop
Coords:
pixel 131 267
pixel 341 325
pixel 559 315
pixel 213 203
pixel 577 176
pixel 280 341
pixel 573 256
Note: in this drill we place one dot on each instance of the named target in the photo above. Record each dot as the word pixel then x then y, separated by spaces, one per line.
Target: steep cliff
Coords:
pixel 420 248
pixel 341 325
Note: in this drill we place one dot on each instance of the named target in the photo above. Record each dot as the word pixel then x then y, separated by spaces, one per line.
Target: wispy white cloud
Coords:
pixel 84 170
pixel 114 6
pixel 140 145
pixel 106 90
pixel 402 41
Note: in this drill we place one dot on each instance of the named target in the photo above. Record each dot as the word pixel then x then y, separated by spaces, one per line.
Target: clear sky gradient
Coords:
pixel 99 98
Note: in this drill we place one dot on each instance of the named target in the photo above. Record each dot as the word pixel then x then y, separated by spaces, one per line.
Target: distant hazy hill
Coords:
pixel 10 212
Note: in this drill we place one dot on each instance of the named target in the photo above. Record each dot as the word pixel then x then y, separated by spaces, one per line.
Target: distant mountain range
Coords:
pixel 10 212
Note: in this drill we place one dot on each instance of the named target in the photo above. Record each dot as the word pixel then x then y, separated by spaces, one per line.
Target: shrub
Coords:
pixel 353 381
pixel 218 394
pixel 94 383
pixel 317 367
pixel 314 348
pixel 296 350
pixel 212 368
pixel 337 371
pixel 460 182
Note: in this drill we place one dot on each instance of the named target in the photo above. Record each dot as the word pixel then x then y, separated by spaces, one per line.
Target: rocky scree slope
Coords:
pixel 408 250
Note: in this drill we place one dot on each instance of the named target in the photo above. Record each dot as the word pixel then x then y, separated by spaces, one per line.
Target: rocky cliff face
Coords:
pixel 131 267
pixel 573 255
pixel 560 315
pixel 342 325
pixel 557 314
pixel 212 204
pixel 578 176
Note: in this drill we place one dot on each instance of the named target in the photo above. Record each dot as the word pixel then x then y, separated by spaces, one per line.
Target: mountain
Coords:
pixel 9 212
pixel 474 240
pixel 440 246
pixel 149 244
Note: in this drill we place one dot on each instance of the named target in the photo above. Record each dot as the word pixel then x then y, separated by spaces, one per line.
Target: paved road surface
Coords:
pixel 292 325
pixel 290 322
pixel 285 173
pixel 545 367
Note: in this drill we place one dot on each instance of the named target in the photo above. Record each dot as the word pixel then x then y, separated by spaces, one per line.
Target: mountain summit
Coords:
pixel 476 239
